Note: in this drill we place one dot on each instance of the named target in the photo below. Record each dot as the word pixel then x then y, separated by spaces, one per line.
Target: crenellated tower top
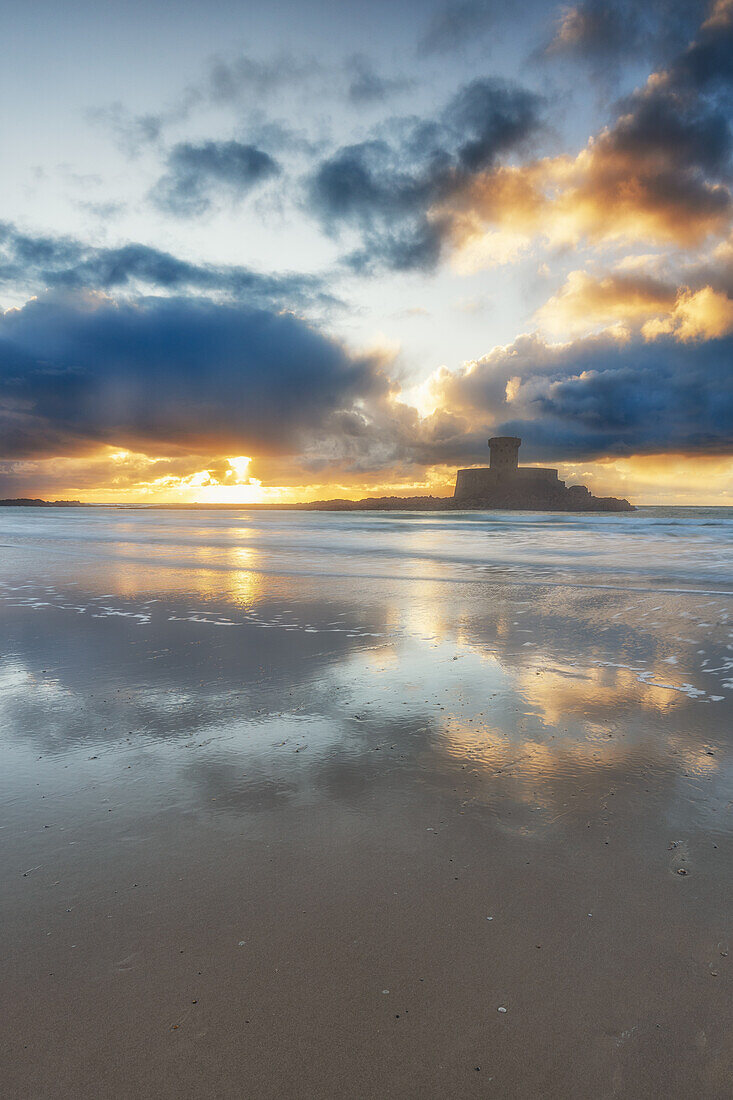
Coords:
pixel 504 450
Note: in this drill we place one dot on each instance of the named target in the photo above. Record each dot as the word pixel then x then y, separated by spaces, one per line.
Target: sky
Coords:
pixel 318 249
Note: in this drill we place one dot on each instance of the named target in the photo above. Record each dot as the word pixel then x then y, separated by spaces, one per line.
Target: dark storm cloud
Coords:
pixel 385 187
pixel 687 105
pixel 197 175
pixel 687 134
pixel 36 262
pixel 588 399
pixel 661 171
pixel 601 396
pixel 163 374
pixel 707 64
pixel 490 117
pixel 170 377
pixel 667 158
pixel 611 30
pixel 607 33
pixel 674 134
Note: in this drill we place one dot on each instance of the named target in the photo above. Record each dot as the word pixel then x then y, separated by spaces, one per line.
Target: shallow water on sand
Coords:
pixel 296 803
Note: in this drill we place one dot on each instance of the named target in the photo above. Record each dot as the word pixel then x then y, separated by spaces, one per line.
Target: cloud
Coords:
pixel 176 379
pixel 165 374
pixel 697 315
pixel 132 132
pixel 599 396
pixel 661 173
pixel 105 211
pixel 638 301
pixel 707 60
pixel 596 397
pixel 367 186
pixel 236 81
pixel 384 188
pixel 585 301
pixel 185 384
pixel 197 175
pixel 608 33
pixel 35 263
pixel 455 24
pixel 108 470
pixel 244 76
pixel 366 86
pixel 593 28
pixel 241 81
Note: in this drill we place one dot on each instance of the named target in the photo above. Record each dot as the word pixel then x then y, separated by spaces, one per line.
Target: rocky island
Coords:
pixel 502 484
pixel 506 484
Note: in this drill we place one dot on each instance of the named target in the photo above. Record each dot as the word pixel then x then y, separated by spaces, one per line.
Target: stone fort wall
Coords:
pixel 472 484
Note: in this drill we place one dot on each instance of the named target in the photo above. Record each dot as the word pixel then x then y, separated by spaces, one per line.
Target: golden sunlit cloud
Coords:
pixel 585 303
pixel 603 195
pixel 720 15
pixel 702 315
pixel 651 176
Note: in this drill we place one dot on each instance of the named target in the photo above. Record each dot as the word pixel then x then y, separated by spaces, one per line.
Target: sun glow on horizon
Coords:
pixel 235 487
pixel 119 476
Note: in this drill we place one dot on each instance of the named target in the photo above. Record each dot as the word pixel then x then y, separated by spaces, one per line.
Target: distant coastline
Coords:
pixel 366 504
pixel 36 502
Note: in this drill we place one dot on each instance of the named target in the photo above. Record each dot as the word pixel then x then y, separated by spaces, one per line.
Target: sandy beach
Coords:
pixel 301 805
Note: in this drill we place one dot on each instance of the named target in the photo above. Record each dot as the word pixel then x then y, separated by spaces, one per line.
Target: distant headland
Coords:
pixel 35 502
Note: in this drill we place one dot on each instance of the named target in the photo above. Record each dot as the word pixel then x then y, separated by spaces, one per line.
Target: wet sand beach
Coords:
pixel 300 805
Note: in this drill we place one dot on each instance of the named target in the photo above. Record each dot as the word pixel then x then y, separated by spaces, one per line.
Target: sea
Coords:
pixel 687 547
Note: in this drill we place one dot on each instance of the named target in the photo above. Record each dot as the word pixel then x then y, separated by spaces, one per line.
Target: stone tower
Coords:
pixel 504 451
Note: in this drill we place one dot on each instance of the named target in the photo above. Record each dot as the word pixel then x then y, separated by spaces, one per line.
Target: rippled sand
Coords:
pixel 281 821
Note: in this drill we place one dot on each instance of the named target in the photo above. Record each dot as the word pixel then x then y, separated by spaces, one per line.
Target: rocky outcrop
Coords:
pixel 506 484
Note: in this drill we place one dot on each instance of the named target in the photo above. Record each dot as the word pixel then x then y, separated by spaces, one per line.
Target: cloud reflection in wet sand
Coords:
pixel 321 669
